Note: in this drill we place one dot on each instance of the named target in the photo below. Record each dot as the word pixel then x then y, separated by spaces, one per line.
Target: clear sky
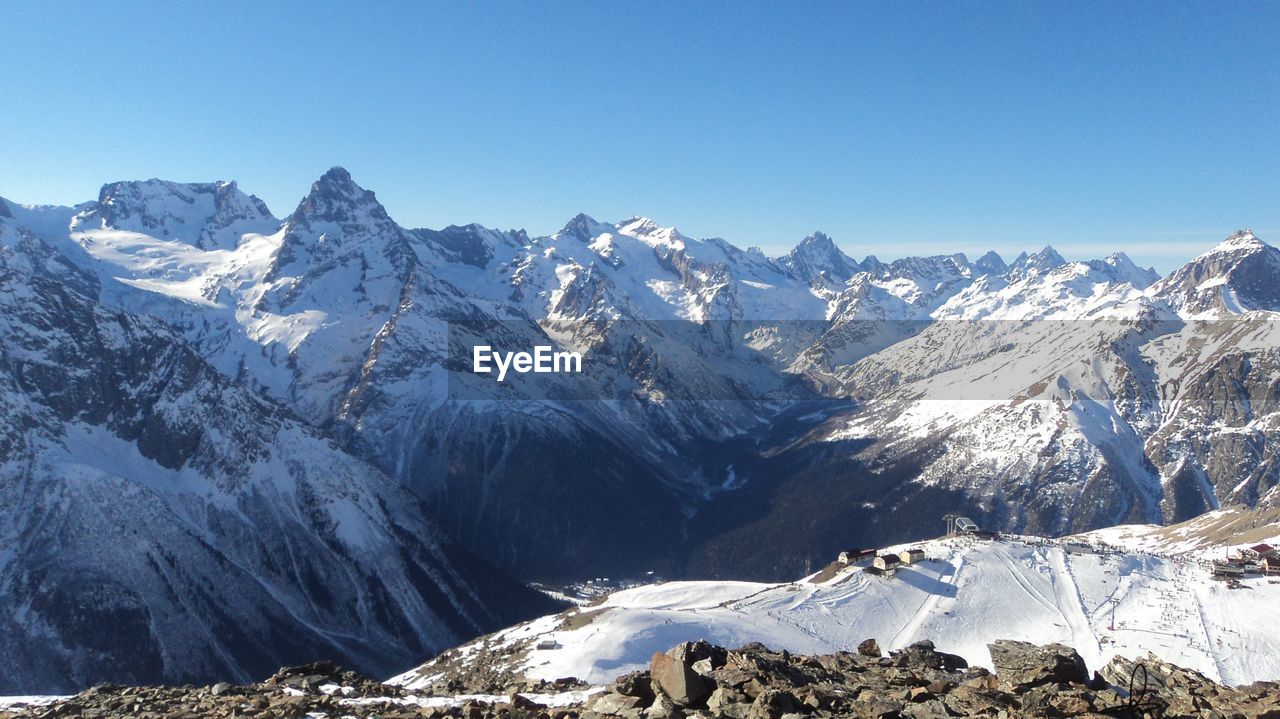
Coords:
pixel 897 128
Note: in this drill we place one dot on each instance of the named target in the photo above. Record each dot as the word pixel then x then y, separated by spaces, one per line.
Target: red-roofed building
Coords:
pixel 1258 551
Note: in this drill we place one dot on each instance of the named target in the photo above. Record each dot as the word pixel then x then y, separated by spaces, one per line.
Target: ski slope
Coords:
pixel 966 594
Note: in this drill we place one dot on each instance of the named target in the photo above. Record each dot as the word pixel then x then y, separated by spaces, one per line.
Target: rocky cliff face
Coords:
pixel 161 522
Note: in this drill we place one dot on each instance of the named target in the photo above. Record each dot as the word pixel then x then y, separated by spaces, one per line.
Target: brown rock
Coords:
pixel 919 694
pixel 870 648
pixel 772 704
pixel 674 675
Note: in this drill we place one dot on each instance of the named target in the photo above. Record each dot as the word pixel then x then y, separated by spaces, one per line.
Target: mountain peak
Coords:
pixel 818 239
pixel 639 225
pixel 1120 268
pixel 1046 260
pixel 817 254
pixel 991 263
pixel 1048 253
pixel 207 214
pixel 338 181
pixel 582 227
pixel 1237 275
pixel 1240 240
pixel 337 173
pixel 651 233
pixel 335 197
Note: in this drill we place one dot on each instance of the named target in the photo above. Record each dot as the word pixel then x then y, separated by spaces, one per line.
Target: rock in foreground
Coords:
pixel 697 680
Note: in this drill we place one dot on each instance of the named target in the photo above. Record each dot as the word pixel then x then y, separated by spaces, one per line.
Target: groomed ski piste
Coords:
pixel 1103 601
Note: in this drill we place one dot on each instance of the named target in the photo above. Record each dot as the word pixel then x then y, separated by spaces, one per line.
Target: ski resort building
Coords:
pixel 1227 570
pixel 1260 551
pixel 911 556
pixel 849 556
pixel 886 562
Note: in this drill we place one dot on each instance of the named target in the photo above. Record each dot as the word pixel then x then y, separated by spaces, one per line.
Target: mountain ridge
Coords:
pixel 352 321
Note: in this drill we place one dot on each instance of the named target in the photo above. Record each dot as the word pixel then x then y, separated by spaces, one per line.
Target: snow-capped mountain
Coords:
pixel 1236 276
pixel 210 216
pixel 731 392
pixel 162 522
pixel 818 257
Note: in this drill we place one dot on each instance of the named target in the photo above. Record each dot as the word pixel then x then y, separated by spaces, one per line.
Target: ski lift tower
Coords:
pixel 950 519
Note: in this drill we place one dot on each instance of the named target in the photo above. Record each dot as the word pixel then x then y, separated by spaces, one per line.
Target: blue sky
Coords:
pixel 897 128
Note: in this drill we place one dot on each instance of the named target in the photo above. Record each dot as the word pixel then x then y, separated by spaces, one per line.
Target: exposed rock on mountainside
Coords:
pixel 161 522
pixel 212 216
pixel 727 394
pixel 747 683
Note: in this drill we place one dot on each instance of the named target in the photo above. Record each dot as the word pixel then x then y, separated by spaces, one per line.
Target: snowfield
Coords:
pixel 966 594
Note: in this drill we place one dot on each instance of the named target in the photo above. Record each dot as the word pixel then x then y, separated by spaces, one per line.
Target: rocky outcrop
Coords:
pixel 1023 665
pixel 676 673
pixel 699 680
pixel 1031 681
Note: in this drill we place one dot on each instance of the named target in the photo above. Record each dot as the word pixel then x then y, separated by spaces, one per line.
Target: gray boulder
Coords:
pixel 1023 665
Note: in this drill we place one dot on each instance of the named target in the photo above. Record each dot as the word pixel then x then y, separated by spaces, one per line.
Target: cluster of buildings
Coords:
pixel 1258 559
pixel 882 563
pixel 886 563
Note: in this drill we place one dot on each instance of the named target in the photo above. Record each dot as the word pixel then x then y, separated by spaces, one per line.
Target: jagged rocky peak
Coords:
pixel 582 227
pixel 816 255
pixel 335 197
pixel 1042 262
pixel 1120 268
pixel 207 214
pixel 341 224
pixel 991 264
pixel 818 241
pixel 871 263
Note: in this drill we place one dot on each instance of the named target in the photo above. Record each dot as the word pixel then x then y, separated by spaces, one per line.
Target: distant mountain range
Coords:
pixel 270 425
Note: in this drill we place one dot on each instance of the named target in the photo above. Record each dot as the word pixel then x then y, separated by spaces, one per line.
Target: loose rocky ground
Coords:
pixel 697 679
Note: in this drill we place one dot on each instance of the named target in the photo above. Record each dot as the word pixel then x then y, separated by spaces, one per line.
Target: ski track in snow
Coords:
pixel 1083 637
pixel 946 578
pixel 966 595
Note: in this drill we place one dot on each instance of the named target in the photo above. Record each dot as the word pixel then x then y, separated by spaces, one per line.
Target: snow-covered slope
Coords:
pixel 160 522
pixel 965 595
pixel 1211 536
